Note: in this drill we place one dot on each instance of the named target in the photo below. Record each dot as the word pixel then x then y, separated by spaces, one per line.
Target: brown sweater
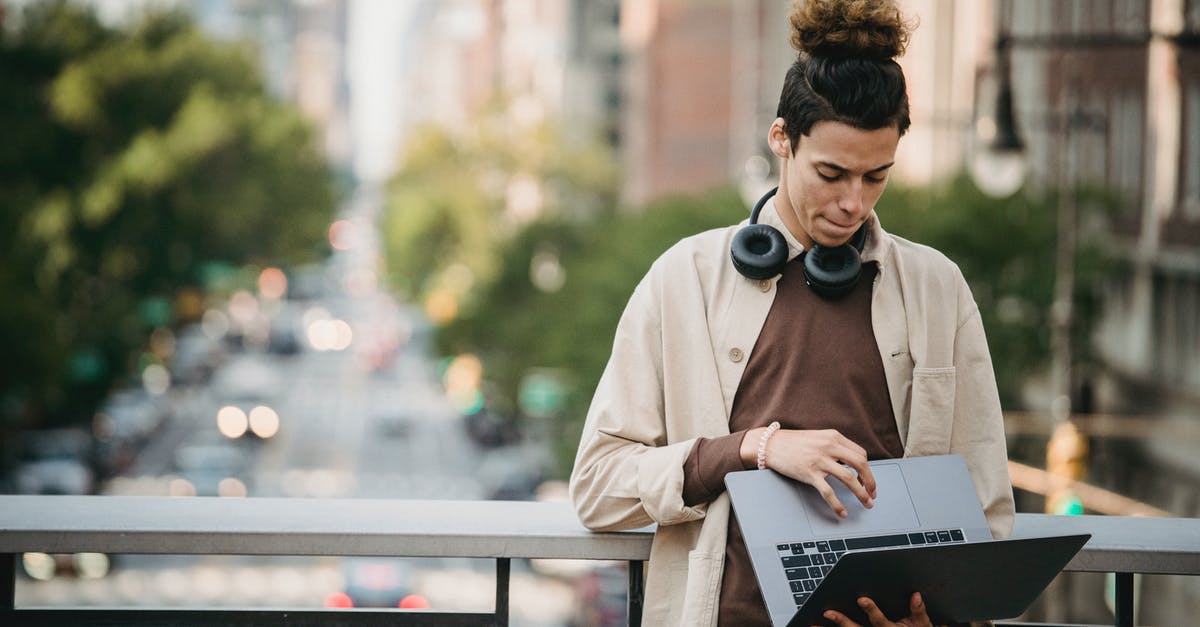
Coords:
pixel 815 366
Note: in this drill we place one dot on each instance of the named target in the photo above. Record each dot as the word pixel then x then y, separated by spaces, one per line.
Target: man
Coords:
pixel 715 369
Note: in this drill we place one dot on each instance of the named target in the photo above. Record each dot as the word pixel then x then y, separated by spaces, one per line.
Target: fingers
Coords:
pixel 839 619
pixel 847 476
pixel 830 497
pixel 916 610
pixel 874 614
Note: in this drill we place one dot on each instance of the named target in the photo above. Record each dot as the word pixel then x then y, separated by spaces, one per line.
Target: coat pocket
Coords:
pixel 932 416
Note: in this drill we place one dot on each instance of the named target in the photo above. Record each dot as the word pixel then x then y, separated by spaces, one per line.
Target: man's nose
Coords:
pixel 852 199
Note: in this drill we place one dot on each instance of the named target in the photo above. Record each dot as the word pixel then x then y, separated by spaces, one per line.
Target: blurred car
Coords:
pixel 487 429
pixel 377 581
pixel 248 377
pixel 212 466
pixel 601 597
pixel 55 461
pixel 131 414
pixel 245 390
pixel 196 356
pixel 510 474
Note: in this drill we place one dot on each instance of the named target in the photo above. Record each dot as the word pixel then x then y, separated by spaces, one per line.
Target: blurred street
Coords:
pixel 371 420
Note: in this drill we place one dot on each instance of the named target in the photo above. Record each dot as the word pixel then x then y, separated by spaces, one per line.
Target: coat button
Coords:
pixel 764 285
pixel 735 355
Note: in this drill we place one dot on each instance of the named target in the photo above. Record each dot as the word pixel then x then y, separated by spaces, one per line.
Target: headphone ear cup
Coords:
pixel 759 251
pixel 832 272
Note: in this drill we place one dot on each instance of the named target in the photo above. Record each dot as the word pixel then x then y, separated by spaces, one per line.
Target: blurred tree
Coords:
pixel 518 327
pixel 1006 250
pixel 132 156
pixel 462 193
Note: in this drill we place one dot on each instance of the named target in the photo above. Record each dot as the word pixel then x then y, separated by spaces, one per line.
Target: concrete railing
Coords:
pixel 497 530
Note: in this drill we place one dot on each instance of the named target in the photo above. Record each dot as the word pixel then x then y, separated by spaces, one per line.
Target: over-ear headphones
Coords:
pixel 759 251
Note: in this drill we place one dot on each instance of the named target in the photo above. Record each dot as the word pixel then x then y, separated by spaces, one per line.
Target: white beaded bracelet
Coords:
pixel 762 444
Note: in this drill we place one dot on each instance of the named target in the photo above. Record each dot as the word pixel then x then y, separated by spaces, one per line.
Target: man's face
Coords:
pixel 831 183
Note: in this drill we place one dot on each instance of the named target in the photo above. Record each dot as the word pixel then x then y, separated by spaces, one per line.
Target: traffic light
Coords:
pixel 1066 457
pixel 1064 503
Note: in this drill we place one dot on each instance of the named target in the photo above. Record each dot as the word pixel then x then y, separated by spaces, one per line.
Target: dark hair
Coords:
pixel 845 71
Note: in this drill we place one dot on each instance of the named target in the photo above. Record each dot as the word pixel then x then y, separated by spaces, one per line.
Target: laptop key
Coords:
pixel 795 561
pixel 825 570
pixel 837 545
pixel 781 547
pixel 796 586
pixel 810 545
pixel 931 537
pixel 916 538
pixel 809 586
pixel 797 573
pixel 876 542
pixel 817 560
pixel 832 558
pixel 797 548
pixel 814 572
pixel 943 536
pixel 801 598
pixel 823 547
pixel 956 535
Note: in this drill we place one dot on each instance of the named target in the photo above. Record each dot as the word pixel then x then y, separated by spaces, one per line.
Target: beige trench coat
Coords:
pixel 679 353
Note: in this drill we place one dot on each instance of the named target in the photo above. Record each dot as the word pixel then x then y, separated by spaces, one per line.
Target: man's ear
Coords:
pixel 778 141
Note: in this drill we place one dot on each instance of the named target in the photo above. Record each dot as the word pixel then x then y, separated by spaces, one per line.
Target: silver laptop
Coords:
pixel 794 538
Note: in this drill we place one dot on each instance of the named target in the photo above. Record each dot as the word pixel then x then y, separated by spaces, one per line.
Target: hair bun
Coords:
pixel 849 28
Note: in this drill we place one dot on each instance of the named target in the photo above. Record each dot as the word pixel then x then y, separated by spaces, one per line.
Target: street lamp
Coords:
pixel 999 167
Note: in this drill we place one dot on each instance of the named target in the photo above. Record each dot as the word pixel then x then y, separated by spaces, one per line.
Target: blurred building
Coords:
pixel 702 82
pixel 1107 93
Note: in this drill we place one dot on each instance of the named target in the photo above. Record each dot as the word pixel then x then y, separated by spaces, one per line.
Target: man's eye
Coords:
pixel 875 179
pixel 828 178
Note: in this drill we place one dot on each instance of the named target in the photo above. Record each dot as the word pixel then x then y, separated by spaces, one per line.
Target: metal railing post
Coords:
pixel 636 593
pixel 503 567
pixel 8 581
pixel 1123 605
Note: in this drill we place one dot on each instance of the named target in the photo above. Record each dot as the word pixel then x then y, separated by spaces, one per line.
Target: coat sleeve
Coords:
pixel 978 431
pixel 627 474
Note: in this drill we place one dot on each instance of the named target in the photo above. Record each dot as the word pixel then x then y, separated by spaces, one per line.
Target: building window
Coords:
pixel 1190 163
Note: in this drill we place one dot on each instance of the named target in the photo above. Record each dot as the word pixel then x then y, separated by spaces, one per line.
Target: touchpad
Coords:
pixel 893 508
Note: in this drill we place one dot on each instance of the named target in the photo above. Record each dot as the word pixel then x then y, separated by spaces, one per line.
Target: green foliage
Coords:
pixel 516 327
pixel 1006 250
pixel 132 157
pixel 447 208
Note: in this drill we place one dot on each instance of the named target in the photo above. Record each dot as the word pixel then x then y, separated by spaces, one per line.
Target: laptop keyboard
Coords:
pixel 807 563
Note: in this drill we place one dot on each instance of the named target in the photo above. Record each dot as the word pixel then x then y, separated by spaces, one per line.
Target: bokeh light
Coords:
pixel 156 379
pixel 264 421
pixel 338 600
pixel 243 307
pixel 179 486
pixel 215 324
pixel 91 565
pixel 232 422
pixel 232 487
pixel 342 235
pixel 39 566
pixel 272 283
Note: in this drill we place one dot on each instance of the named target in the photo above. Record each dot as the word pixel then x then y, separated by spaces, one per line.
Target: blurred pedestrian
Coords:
pixel 808 342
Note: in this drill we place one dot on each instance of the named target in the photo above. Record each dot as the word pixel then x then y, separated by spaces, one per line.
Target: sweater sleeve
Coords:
pixel 705 468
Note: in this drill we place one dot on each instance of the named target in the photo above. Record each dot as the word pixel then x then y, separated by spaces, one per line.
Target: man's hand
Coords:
pixel 916 618
pixel 813 456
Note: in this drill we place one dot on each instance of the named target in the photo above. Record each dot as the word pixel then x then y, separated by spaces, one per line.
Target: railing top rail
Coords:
pixel 345 527
pixel 282 526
